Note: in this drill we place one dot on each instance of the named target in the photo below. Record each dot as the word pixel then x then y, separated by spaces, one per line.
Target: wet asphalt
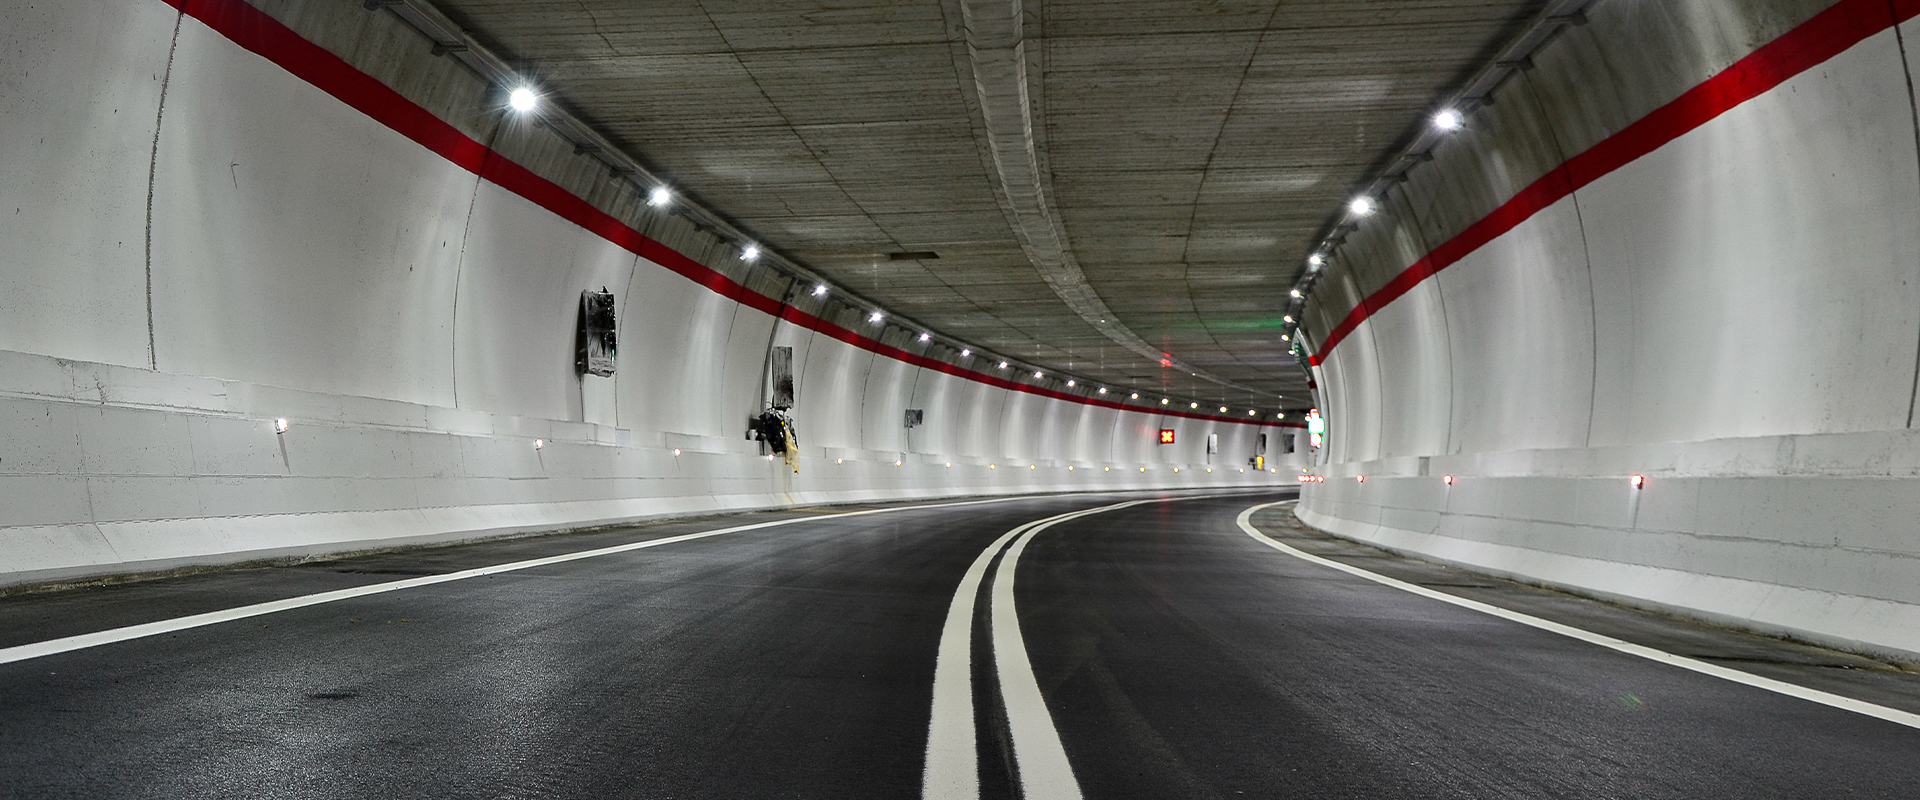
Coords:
pixel 1178 657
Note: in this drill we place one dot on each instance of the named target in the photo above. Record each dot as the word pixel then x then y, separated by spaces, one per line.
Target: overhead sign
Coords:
pixel 1166 436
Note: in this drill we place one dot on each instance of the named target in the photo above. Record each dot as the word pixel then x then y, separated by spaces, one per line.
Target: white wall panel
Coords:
pixel 1416 376
pixel 79 90
pixel 1761 270
pixel 318 255
pixel 1520 337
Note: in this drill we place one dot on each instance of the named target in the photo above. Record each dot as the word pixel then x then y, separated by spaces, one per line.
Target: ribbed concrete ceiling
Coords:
pixel 1104 181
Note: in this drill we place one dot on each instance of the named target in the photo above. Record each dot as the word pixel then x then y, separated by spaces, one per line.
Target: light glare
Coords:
pixel 523 100
pixel 750 253
pixel 660 196
pixel 1361 206
pixel 1447 120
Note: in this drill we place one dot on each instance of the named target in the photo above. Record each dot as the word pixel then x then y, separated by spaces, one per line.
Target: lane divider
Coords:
pixel 953 766
pixel 1830 699
pixel 98 638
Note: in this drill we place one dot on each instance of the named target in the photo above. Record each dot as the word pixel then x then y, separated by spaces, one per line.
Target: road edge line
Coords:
pixel 1776 686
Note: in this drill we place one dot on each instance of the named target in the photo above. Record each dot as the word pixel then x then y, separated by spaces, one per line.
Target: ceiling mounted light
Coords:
pixel 1361 206
pixel 1193 405
pixel 875 317
pixel 1447 120
pixel 1223 409
pixel 926 337
pixel 1295 294
pixel 523 100
pixel 660 196
pixel 1134 396
pixel 1037 374
pixel 1287 319
pixel 750 253
pixel 1164 401
pixel 1316 260
pixel 1103 390
pixel 1069 383
pixel 1003 365
pixel 1252 413
pixel 1285 338
pixel 819 290
pixel 965 352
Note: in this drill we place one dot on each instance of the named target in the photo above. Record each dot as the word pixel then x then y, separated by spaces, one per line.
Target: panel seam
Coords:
pixel 153 172
pixel 1913 110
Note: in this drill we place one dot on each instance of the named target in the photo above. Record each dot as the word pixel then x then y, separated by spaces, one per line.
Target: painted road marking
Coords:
pixel 953 756
pixel 1876 711
pixel 953 767
pixel 98 638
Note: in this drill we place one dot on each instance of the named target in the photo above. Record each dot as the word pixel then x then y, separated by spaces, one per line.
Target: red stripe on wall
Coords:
pixel 255 31
pixel 1827 34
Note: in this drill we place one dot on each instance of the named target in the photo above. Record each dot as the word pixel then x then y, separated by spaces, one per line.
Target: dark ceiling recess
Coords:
pixel 914 255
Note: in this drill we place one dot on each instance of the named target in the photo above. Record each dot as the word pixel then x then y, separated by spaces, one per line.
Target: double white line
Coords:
pixel 953 754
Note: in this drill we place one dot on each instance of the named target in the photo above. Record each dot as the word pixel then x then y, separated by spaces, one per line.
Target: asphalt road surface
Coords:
pixel 1124 646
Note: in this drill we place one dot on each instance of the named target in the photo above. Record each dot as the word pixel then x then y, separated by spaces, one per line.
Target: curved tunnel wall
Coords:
pixel 223 221
pixel 1684 244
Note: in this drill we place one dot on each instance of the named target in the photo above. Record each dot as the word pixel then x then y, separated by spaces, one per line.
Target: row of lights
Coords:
pixel 1446 120
pixel 1637 481
pixel 281 425
pixel 525 100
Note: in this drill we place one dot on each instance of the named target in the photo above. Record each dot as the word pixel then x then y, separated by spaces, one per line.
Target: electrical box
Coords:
pixel 1213 443
pixel 916 417
pixel 596 345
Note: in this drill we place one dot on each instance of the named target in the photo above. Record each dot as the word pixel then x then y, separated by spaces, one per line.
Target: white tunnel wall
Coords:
pixel 1733 315
pixel 415 325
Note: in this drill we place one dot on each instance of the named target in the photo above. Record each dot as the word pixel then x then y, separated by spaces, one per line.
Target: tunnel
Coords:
pixel 959 398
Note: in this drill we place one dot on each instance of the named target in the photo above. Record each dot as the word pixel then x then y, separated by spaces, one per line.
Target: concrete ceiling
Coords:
pixel 1105 182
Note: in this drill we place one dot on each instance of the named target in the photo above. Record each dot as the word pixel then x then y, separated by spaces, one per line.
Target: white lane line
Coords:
pixel 953 754
pixel 1876 711
pixel 1042 761
pixel 82 641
